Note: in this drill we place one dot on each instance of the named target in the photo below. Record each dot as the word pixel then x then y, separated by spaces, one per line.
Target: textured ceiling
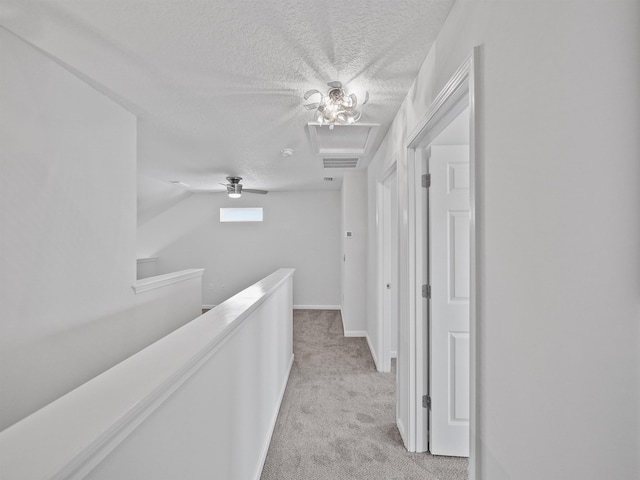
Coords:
pixel 218 84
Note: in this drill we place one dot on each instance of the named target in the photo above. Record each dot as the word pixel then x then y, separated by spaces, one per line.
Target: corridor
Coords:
pixel 337 419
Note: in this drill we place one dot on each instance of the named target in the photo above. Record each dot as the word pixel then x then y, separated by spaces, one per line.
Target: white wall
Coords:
pixel 354 253
pixel 68 220
pixel 559 241
pixel 300 230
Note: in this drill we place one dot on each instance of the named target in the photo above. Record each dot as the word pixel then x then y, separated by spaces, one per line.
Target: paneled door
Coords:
pixel 449 305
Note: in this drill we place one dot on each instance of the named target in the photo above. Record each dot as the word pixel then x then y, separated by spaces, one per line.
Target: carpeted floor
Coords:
pixel 337 419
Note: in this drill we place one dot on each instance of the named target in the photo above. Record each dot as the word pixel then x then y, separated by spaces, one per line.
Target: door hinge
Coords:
pixel 426 180
pixel 426 401
pixel 426 291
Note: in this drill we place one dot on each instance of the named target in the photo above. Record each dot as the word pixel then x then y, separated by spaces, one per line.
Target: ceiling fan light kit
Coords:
pixel 234 192
pixel 235 188
pixel 336 106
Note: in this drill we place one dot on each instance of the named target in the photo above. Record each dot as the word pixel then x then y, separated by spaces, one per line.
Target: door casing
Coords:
pixel 384 204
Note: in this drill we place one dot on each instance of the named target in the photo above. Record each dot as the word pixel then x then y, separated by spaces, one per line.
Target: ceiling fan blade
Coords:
pixel 311 92
pixel 254 190
pixel 335 84
pixel 203 190
pixel 180 183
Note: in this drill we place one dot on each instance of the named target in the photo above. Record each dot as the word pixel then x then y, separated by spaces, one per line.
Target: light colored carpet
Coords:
pixel 337 419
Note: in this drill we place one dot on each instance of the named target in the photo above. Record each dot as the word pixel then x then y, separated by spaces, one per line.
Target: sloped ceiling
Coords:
pixel 217 84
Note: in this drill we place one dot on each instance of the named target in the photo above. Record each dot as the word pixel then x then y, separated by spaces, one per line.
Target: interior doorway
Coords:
pixel 441 161
pixel 448 279
pixel 389 229
pixel 457 405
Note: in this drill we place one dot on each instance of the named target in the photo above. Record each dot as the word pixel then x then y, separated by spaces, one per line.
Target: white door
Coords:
pixel 449 305
pixel 390 255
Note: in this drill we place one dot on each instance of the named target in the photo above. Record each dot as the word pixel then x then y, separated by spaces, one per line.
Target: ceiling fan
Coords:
pixel 235 188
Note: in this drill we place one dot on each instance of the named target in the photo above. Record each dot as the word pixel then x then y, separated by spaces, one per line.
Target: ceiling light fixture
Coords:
pixel 336 106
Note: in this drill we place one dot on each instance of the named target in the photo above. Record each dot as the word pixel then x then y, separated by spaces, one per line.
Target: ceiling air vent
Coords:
pixel 338 162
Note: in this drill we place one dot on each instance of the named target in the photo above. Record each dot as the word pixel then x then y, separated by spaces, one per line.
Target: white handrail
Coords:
pixel 70 436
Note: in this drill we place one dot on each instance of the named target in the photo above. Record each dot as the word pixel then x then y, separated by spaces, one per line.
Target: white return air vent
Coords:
pixel 340 162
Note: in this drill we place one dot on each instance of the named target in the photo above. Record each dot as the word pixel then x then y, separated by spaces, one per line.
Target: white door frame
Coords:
pixel 460 90
pixel 383 364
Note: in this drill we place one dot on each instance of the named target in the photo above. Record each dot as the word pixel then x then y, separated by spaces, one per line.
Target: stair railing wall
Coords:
pixel 200 403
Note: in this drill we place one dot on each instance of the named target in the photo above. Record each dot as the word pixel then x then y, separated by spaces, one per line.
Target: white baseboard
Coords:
pixel 403 432
pixel 355 333
pixel 316 307
pixel 295 307
pixel 274 418
pixel 351 333
pixel 373 353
